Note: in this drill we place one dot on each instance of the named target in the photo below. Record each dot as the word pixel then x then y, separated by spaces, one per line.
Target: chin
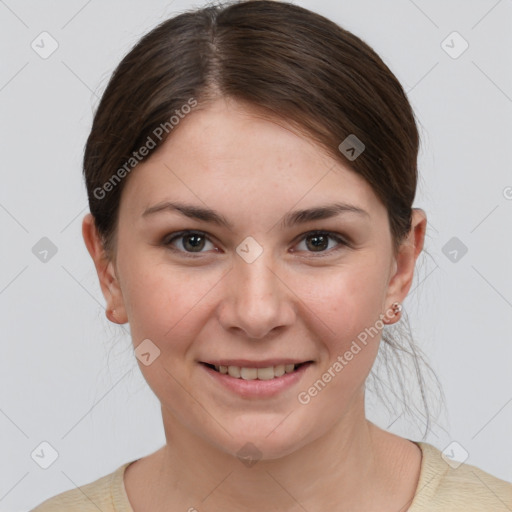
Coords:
pixel 265 438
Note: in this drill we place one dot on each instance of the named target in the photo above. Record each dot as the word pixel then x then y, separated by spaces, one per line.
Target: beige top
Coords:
pixel 441 488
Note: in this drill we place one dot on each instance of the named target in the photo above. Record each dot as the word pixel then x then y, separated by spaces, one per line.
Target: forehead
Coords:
pixel 229 153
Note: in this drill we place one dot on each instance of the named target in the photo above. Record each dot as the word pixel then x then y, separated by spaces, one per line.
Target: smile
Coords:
pixel 256 379
pixel 252 373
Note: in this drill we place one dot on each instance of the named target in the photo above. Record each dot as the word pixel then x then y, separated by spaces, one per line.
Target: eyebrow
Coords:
pixel 290 219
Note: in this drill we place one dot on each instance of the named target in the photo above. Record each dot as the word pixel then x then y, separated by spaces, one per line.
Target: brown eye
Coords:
pixel 193 242
pixel 189 242
pixel 318 242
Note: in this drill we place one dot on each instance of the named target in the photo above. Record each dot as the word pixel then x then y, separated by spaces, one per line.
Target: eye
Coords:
pixel 190 242
pixel 318 241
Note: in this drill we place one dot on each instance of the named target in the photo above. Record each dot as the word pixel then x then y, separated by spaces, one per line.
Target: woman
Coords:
pixel 251 171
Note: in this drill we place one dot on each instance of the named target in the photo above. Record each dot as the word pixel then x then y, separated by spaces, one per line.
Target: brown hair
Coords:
pixel 284 59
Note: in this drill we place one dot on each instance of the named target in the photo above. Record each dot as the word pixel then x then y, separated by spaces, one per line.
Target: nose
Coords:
pixel 256 300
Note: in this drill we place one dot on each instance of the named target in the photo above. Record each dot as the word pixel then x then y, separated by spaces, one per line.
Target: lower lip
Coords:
pixel 257 388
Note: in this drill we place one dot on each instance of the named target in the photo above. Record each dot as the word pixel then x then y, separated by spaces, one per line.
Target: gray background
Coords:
pixel 69 377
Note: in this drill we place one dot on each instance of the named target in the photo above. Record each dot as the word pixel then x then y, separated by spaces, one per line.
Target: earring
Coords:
pixel 397 307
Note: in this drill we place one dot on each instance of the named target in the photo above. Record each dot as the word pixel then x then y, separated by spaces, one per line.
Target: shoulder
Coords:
pixel 450 486
pixel 106 494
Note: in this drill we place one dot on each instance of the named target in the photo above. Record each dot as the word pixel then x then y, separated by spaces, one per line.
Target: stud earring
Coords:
pixel 397 307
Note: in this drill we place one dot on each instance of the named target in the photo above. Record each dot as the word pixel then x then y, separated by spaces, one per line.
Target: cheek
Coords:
pixel 164 303
pixel 348 300
pixel 350 306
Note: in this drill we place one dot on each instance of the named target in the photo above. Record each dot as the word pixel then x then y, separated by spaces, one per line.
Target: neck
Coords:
pixel 343 470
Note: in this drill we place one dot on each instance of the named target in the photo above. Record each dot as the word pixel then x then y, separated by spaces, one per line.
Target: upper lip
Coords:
pixel 246 363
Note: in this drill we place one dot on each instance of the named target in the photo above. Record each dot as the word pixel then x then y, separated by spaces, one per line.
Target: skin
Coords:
pixel 290 302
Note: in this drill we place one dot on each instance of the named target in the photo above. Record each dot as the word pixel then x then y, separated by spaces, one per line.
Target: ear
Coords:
pixel 106 272
pixel 405 262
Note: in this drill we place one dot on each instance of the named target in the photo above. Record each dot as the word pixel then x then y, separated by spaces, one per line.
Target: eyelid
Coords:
pixel 340 239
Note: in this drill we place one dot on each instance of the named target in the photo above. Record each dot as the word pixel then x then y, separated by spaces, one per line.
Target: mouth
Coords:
pixel 259 372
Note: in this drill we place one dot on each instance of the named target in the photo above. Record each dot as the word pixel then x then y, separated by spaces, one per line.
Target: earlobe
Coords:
pixel 105 269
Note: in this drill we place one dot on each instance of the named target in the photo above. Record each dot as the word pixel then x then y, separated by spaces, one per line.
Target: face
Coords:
pixel 262 289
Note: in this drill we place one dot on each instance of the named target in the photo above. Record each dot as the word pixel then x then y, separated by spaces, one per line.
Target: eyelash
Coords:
pixel 175 236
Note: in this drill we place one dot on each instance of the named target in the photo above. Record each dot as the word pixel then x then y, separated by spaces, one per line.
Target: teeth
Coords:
pixel 279 370
pixel 265 373
pixel 234 371
pixel 256 373
pixel 249 373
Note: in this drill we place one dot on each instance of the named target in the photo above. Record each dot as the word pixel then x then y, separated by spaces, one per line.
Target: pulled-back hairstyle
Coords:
pixel 287 61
